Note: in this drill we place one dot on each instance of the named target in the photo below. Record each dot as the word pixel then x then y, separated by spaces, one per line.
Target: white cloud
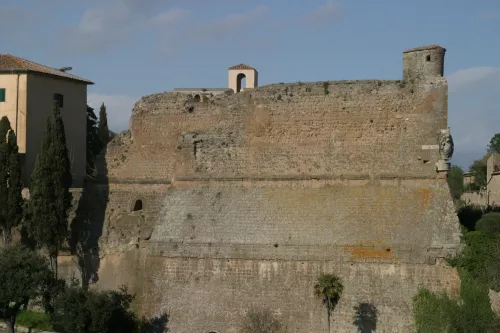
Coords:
pixel 231 26
pixel 118 107
pixel 329 11
pixel 467 78
pixel 169 17
pixel 107 23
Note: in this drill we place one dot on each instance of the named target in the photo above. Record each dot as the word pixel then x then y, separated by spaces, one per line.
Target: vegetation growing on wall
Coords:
pixel 479 268
pixel 260 321
pixel 469 313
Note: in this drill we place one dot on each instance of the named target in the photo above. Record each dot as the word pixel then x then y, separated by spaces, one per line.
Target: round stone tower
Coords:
pixel 423 63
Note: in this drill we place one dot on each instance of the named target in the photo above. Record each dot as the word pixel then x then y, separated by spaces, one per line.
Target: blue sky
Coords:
pixel 131 48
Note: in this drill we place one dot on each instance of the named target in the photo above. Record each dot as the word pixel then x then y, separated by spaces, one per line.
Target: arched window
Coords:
pixel 138 206
pixel 241 82
pixel 197 98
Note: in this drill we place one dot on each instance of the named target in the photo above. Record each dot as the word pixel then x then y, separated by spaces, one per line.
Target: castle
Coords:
pixel 211 206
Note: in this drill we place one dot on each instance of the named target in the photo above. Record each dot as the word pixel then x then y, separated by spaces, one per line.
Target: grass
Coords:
pixel 37 320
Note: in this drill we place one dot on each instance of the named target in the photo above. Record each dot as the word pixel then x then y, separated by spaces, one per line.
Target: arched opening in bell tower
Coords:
pixel 241 82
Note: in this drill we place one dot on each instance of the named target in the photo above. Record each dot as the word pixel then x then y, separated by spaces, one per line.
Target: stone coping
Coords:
pixel 386 253
pixel 264 178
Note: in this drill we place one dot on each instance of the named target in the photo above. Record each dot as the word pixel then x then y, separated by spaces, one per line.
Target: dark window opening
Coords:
pixel 2 94
pixel 241 82
pixel 428 58
pixel 197 98
pixel 59 100
pixel 138 206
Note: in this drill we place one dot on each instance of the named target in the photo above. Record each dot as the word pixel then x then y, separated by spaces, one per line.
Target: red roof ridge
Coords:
pixel 242 66
pixel 10 63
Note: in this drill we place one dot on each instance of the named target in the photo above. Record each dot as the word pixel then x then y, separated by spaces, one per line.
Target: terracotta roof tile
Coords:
pixel 423 48
pixel 242 66
pixel 10 63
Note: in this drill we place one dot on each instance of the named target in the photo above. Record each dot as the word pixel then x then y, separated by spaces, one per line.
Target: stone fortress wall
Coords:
pixel 216 206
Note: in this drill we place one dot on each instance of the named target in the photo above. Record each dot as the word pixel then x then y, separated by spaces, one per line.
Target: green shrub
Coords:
pixel 36 320
pixel 481 258
pixel 433 313
pixel 325 87
pixel 471 313
pixel 490 222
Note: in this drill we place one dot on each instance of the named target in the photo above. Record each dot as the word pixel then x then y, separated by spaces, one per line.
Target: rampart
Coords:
pixel 215 206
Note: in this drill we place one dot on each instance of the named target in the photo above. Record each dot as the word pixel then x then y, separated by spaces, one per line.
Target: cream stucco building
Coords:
pixel 28 92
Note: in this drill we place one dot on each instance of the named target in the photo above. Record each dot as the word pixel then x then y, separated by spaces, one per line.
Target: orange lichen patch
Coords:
pixel 424 196
pixel 361 253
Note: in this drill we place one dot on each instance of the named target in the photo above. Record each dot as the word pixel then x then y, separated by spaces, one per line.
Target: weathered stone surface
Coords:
pixel 246 198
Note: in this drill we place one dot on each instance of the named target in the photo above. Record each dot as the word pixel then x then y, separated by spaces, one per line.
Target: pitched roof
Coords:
pixel 12 64
pixel 242 66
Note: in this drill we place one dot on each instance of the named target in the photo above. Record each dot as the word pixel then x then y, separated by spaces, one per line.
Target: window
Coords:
pixel 59 100
pixel 2 94
pixel 138 206
pixel 428 58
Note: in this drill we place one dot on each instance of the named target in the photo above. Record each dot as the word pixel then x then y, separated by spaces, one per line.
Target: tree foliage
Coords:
pixel 329 289
pixel 470 313
pixel 94 145
pixel 50 198
pixel 260 321
pixel 455 181
pixel 494 145
pixel 489 223
pixel 88 311
pixel 24 276
pixel 481 257
pixel 103 130
pixel 11 202
pixel 478 170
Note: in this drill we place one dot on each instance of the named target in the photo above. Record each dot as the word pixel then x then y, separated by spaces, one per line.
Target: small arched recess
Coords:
pixel 137 205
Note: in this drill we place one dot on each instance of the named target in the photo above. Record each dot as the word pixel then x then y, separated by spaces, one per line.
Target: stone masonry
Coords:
pixel 212 207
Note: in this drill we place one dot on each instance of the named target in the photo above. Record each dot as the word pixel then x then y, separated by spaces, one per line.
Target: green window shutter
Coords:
pixel 2 94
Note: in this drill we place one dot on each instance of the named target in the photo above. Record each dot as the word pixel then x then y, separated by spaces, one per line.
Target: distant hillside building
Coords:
pixel 490 194
pixel 28 92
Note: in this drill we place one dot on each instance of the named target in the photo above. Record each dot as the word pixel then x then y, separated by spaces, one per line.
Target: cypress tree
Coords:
pixel 4 157
pixel 94 145
pixel 15 186
pixel 50 198
pixel 103 129
pixel 11 202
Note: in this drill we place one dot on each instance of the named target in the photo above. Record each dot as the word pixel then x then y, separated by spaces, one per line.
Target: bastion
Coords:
pixel 211 206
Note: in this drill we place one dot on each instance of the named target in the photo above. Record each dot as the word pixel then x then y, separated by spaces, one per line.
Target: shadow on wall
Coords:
pixel 155 325
pixel 365 317
pixel 87 225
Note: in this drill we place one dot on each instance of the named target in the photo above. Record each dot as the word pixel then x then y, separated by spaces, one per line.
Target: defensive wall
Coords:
pixel 207 208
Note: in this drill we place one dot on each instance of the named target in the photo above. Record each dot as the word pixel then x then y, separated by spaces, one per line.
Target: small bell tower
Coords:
pixel 238 73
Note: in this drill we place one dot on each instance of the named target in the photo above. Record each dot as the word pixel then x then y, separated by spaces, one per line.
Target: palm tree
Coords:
pixel 329 288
